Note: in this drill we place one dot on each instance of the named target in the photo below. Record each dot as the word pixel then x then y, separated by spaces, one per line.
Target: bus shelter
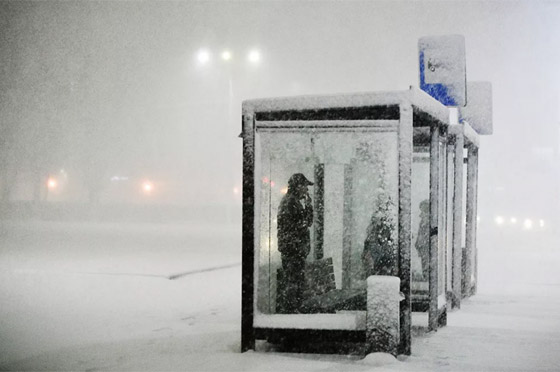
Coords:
pixel 443 261
pixel 370 160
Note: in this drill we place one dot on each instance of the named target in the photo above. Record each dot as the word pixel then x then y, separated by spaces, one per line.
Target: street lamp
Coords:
pixel 254 56
pixel 203 56
pixel 226 55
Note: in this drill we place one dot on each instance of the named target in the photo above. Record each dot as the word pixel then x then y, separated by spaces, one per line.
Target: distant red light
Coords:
pixel 51 183
pixel 147 187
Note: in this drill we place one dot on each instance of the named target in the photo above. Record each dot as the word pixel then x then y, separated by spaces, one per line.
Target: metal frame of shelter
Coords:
pixel 418 120
pixel 457 215
pixel 470 251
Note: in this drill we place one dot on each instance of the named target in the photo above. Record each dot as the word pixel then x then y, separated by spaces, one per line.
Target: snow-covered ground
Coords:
pixel 98 297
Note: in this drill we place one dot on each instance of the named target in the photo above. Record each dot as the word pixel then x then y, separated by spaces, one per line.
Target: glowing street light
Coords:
pixel 226 55
pixel 528 224
pixel 254 56
pixel 499 220
pixel 203 56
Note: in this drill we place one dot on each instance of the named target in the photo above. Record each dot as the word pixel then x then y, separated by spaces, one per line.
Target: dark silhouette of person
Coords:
pixel 295 216
pixel 423 238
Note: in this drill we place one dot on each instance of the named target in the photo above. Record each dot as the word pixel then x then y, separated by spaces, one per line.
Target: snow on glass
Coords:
pixel 358 197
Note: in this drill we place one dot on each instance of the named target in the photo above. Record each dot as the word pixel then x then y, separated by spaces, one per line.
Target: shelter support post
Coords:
pixel 470 230
pixel 405 224
pixel 457 221
pixel 248 241
pixel 434 222
pixel 475 245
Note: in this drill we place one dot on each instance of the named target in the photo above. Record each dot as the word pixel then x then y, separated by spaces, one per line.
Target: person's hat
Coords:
pixel 298 179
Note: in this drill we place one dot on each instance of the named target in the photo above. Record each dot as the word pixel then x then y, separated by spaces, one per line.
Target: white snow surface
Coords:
pixel 86 297
pixel 379 359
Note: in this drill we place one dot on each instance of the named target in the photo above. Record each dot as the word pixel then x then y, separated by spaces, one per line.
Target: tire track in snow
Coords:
pixel 187 273
pixel 169 277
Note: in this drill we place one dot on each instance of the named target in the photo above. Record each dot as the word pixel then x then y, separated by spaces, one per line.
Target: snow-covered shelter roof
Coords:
pixel 413 96
pixel 470 136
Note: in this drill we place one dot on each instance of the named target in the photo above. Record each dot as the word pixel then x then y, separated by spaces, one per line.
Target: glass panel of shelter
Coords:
pixel 442 156
pixel 450 186
pixel 470 256
pixel 442 221
pixel 420 200
pixel 354 203
pixel 468 221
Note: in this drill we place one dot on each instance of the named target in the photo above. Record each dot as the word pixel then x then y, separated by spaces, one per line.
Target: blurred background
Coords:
pixel 120 162
pixel 132 110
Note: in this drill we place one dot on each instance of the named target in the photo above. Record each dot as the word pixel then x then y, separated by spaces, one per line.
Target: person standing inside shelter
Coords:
pixel 423 239
pixel 295 217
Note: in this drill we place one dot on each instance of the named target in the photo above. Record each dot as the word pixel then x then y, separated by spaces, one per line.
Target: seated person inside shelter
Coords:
pixel 379 253
pixel 295 217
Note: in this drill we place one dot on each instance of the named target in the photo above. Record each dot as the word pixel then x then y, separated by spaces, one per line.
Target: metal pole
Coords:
pixel 475 216
pixel 269 233
pixel 405 223
pixel 434 220
pixel 248 235
pixel 471 221
pixel 229 125
pixel 457 221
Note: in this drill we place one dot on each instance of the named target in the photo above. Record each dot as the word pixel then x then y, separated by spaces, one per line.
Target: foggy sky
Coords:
pixel 107 88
